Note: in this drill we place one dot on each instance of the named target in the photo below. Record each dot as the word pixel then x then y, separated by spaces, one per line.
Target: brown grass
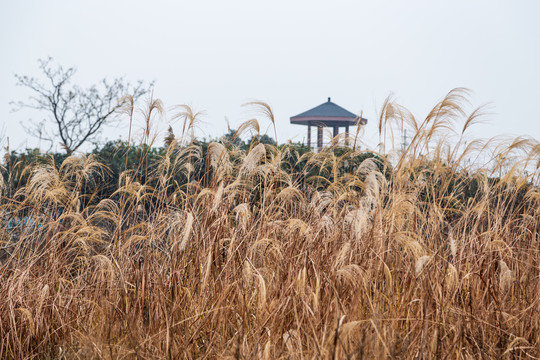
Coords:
pixel 367 267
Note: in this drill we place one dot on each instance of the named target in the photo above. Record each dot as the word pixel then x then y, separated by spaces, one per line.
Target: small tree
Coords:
pixel 78 114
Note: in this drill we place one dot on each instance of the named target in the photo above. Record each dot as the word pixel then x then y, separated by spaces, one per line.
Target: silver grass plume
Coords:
pixel 252 159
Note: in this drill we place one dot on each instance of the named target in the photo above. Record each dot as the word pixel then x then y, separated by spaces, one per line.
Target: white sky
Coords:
pixel 216 55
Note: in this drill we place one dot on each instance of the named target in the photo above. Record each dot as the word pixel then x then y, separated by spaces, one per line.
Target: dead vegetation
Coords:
pixel 252 263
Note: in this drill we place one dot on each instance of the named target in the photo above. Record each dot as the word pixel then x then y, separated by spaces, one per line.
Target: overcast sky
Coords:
pixel 216 55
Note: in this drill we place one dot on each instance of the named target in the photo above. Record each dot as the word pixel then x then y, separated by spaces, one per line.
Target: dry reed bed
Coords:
pixel 366 266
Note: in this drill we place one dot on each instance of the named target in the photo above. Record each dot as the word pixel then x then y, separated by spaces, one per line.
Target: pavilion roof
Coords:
pixel 328 114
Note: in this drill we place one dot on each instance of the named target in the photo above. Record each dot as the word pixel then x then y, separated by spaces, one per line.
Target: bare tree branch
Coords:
pixel 78 114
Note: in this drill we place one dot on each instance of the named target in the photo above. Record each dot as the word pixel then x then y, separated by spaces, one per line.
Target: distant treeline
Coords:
pixel 190 165
pixel 141 161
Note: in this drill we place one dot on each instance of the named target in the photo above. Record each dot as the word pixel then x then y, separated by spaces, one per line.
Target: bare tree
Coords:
pixel 78 114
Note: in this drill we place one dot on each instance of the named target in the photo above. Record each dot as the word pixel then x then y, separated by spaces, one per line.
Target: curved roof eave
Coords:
pixel 327 120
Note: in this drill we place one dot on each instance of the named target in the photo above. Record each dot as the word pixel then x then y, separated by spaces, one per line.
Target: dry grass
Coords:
pixel 366 266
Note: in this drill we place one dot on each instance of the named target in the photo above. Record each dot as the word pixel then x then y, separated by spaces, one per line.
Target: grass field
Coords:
pixel 426 252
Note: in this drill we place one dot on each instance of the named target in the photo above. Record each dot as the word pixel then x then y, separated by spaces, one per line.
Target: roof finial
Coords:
pixel 329 99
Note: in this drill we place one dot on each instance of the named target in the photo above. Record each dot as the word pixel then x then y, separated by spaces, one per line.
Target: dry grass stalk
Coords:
pixel 254 261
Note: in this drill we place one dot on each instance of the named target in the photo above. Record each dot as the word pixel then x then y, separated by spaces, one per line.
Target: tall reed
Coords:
pixel 418 253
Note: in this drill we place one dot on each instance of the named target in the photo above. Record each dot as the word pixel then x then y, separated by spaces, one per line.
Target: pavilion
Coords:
pixel 327 114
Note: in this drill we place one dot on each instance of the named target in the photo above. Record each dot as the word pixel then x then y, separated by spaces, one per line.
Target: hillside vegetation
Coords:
pixel 275 252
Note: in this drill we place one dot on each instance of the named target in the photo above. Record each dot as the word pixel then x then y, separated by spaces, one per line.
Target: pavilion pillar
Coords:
pixel 336 130
pixel 319 137
pixel 346 135
pixel 309 136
